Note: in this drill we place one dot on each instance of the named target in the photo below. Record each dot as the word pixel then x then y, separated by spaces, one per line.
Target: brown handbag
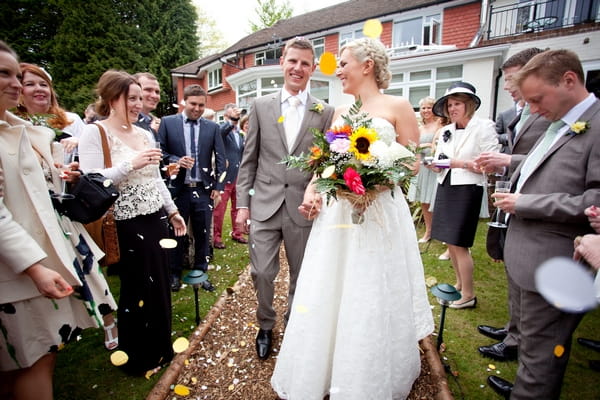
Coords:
pixel 104 230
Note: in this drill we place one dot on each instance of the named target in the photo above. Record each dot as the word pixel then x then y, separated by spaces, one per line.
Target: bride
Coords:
pixel 361 304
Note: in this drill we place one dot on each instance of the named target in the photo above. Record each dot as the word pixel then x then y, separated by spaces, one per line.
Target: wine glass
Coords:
pixel 63 195
pixel 501 187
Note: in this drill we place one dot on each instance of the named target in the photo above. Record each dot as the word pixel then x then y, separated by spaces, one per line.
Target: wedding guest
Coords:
pixel 353 332
pixel 51 287
pixel 422 188
pixel 209 114
pixel 546 214
pixel 234 148
pixel 150 99
pixel 194 142
pixel 90 114
pixel 268 193
pixel 523 132
pixel 38 104
pixel 460 184
pixel 141 212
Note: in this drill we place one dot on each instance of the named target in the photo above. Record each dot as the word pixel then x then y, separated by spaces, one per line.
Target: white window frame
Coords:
pixel 214 78
pixel 319 45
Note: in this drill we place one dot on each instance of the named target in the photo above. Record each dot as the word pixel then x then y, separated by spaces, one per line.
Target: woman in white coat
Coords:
pixel 460 184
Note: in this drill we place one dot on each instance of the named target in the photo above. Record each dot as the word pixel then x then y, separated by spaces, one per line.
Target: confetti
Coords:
pixel 327 63
pixel 180 345
pixel 222 177
pixel 559 350
pixel 279 121
pixel 372 28
pixel 119 358
pixel 194 380
pixel 141 303
pixel 491 366
pixel 231 387
pixel 181 390
pixel 167 243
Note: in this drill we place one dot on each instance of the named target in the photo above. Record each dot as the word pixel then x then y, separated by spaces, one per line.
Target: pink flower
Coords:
pixel 353 181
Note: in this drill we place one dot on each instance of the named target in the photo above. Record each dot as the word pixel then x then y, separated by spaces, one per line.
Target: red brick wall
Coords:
pixel 460 24
pixel 386 34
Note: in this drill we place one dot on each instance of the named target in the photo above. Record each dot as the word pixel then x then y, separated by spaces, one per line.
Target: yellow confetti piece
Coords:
pixel 280 119
pixel 243 343
pixel 181 390
pixel 234 350
pixel 167 243
pixel 187 362
pixel 119 358
pixel 194 380
pixel 231 387
pixel 302 309
pixel 491 366
pixel 141 303
pixel 180 344
pixel 327 172
pixel 327 63
pixel 372 28
pixel 222 177
pixel 559 350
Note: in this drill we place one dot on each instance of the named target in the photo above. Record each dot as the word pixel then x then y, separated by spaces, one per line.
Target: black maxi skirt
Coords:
pixel 145 298
pixel 456 213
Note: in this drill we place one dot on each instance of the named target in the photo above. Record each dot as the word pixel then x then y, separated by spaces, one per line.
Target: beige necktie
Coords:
pixel 291 121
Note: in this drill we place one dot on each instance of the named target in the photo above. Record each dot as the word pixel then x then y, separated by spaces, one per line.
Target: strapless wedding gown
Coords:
pixel 360 306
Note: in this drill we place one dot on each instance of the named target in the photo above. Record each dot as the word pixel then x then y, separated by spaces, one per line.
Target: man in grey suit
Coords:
pixel 522 133
pixel 502 122
pixel 269 194
pixel 553 186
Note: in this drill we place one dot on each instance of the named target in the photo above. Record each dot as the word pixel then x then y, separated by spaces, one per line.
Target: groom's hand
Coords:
pixel 242 220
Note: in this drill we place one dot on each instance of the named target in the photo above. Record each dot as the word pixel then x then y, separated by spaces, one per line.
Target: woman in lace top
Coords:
pixel 142 211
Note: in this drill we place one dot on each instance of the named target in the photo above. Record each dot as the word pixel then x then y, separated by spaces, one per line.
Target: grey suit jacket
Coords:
pixel 532 129
pixel 549 212
pixel 502 123
pixel 273 184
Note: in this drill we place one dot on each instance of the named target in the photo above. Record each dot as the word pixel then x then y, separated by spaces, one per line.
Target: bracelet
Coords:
pixel 174 213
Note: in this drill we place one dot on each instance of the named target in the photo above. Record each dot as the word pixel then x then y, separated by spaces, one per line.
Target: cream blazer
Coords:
pixel 479 136
pixel 27 201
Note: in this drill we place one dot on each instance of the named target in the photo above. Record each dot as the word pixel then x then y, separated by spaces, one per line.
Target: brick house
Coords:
pixel 431 43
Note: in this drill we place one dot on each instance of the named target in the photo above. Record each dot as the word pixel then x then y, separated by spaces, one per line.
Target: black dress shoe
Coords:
pixel 494 333
pixel 175 283
pixel 499 351
pixel 589 343
pixel 264 340
pixel 206 285
pixel 500 386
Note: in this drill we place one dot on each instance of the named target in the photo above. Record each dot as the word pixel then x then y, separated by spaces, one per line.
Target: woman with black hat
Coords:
pixel 460 184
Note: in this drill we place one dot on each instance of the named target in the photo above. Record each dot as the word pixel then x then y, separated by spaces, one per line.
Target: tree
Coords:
pixel 269 12
pixel 211 38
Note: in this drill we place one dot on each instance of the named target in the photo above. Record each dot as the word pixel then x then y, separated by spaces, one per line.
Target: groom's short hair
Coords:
pixel 299 42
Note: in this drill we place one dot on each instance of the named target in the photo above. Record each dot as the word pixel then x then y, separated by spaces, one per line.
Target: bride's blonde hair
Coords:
pixel 370 49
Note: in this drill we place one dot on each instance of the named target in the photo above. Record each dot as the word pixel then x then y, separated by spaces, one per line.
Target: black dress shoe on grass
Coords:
pixel 175 283
pixel 491 332
pixel 499 352
pixel 589 343
pixel 500 386
pixel 264 341
pixel 206 285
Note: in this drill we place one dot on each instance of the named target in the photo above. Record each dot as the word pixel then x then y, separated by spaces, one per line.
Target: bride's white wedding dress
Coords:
pixel 360 306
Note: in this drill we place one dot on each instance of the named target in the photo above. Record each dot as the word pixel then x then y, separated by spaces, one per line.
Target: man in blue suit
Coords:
pixel 234 148
pixel 192 142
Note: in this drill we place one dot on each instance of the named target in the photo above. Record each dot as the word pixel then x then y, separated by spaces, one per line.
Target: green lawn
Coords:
pixel 84 370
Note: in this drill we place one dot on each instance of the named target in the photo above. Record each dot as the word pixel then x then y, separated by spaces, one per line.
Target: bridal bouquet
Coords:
pixel 354 161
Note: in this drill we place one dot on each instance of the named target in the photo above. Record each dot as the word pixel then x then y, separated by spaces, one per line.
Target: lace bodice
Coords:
pixel 139 194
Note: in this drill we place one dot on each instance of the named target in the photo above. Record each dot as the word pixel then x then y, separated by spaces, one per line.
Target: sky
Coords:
pixel 232 16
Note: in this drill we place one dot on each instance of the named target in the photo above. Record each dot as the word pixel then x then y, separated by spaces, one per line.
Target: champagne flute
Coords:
pixel 501 187
pixel 63 169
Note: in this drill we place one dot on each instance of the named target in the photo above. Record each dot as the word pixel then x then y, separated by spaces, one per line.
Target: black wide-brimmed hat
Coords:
pixel 455 88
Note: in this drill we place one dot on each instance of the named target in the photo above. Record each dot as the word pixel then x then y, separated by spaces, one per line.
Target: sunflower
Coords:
pixel 360 142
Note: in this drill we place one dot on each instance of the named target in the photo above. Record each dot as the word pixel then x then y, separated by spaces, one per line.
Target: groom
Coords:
pixel 269 194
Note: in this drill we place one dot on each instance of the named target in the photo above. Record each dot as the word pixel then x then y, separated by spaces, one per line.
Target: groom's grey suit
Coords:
pixel 273 193
pixel 548 217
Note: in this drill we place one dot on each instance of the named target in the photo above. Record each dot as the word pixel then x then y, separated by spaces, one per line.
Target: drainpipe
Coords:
pixel 482 23
pixel 496 90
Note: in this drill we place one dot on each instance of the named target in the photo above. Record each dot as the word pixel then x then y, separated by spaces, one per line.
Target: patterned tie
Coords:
pixel 291 121
pixel 534 157
pixel 193 123
pixel 525 113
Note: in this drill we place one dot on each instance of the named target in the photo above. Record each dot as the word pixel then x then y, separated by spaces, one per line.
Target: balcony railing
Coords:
pixel 535 16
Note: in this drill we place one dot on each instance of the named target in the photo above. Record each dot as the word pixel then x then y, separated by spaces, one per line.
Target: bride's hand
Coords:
pixel 311 204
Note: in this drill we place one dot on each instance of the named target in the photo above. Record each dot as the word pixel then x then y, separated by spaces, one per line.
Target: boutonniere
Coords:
pixel 447 135
pixel 317 107
pixel 579 127
pixel 280 119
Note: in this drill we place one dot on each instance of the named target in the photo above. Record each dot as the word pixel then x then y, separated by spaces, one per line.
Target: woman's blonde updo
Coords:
pixel 370 49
